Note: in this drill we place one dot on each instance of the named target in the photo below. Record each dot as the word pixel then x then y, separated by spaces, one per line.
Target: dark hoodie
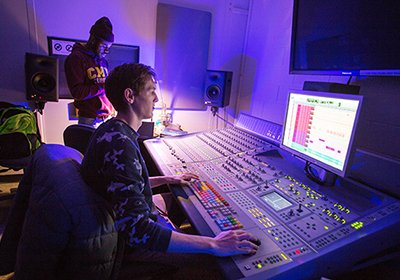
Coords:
pixel 82 67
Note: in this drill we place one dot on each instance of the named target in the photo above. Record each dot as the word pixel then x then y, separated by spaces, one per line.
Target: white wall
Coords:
pixel 133 21
pixel 133 24
pixel 14 42
pixel 267 80
pixel 249 37
pixel 266 65
pixel 228 31
pixel 28 23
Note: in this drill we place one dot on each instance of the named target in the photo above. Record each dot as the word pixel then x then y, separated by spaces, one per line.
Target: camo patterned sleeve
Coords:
pixel 124 176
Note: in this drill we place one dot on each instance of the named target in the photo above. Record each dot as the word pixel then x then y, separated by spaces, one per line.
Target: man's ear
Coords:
pixel 129 96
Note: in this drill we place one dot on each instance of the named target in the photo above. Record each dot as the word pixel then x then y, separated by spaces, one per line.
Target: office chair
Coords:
pixel 57 223
pixel 60 228
pixel 77 136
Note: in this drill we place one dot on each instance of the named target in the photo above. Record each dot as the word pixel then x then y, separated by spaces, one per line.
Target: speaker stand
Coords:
pixel 214 110
pixel 39 106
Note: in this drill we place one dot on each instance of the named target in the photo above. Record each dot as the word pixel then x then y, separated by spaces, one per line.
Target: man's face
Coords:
pixel 103 48
pixel 145 100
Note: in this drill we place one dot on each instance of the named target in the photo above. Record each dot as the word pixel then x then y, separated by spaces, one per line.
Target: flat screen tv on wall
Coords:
pixel 341 37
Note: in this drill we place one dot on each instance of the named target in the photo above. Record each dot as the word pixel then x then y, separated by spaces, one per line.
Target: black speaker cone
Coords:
pixel 41 77
pixel 43 82
pixel 213 92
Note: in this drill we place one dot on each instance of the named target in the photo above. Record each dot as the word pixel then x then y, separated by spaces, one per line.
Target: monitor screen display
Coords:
pixel 346 37
pixel 319 127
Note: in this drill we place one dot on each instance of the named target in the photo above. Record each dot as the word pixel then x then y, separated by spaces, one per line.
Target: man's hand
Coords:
pixel 234 242
pixel 227 243
pixel 183 178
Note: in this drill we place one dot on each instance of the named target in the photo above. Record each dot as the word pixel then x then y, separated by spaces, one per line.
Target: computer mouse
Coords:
pixel 256 242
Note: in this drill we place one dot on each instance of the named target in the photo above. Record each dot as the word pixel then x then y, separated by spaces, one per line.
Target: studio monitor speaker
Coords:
pixel 41 75
pixel 217 88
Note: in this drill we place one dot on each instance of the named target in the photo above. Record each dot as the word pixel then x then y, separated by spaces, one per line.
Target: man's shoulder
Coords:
pixel 77 54
pixel 76 57
pixel 112 131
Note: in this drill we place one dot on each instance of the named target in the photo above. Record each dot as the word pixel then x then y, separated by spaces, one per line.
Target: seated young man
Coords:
pixel 114 167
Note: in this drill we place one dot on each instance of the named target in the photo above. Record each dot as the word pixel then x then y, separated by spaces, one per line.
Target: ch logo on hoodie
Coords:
pixel 97 72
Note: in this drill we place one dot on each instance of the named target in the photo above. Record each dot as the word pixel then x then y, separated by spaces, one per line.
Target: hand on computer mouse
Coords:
pixel 257 242
pixel 234 242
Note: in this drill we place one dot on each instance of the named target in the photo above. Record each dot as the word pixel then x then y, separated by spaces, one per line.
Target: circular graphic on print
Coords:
pixel 68 47
pixel 57 46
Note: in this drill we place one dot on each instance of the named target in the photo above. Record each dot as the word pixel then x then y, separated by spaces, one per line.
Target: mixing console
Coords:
pixel 248 182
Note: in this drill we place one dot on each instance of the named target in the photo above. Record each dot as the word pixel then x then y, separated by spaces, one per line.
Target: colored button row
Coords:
pixel 228 223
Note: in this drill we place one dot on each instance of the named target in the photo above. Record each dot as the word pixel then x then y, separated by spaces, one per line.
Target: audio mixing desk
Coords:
pixel 248 182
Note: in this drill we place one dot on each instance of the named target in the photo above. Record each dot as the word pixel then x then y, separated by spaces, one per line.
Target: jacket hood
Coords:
pixel 79 47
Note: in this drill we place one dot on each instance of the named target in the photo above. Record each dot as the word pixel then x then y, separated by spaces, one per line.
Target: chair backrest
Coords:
pixel 77 136
pixel 62 228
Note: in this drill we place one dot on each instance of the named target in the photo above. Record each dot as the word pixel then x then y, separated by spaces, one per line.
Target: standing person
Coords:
pixel 114 167
pixel 86 69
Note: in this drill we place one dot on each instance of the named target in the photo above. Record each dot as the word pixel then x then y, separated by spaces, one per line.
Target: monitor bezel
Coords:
pixel 354 71
pixel 350 148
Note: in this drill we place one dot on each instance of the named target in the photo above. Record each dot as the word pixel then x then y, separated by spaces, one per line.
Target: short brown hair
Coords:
pixel 129 75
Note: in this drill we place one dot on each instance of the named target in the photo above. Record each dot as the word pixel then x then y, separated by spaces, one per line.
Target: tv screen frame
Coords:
pixel 328 96
pixel 62 47
pixel 340 46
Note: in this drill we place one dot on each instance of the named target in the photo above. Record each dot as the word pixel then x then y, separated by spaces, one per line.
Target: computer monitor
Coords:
pixel 319 127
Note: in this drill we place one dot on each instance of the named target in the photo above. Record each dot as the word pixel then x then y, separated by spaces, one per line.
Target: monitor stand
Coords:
pixel 320 175
pixel 328 178
pixel 271 153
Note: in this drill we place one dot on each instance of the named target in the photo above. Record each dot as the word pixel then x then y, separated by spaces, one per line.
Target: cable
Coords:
pixel 218 116
pixel 216 121
pixel 349 80
pixel 214 110
pixel 166 218
pixel 162 212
